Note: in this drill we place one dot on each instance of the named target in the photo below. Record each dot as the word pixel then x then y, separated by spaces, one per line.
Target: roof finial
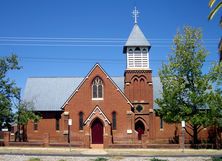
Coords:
pixel 135 14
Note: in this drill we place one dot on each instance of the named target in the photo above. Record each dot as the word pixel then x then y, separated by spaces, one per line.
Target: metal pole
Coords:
pixel 183 124
pixel 183 138
pixel 69 138
pixel 69 131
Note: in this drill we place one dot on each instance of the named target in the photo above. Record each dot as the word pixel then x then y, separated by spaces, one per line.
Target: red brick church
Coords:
pixel 100 110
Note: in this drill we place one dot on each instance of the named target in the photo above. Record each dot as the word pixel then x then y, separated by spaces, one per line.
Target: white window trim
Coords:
pixel 97 99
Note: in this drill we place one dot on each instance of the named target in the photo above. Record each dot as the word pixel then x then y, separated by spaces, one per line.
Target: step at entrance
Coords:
pixel 96 146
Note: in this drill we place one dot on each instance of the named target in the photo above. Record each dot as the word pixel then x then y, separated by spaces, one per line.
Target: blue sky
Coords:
pixel 66 38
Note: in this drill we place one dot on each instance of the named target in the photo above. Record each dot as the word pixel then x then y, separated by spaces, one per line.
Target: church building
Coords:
pixel 99 110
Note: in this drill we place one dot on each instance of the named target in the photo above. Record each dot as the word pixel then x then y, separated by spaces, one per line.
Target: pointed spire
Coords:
pixel 136 37
pixel 135 14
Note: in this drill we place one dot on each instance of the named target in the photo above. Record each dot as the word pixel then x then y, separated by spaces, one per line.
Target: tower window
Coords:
pixel 97 89
pixel 114 120
pixel 81 121
pixel 130 50
pixel 144 51
pixel 137 49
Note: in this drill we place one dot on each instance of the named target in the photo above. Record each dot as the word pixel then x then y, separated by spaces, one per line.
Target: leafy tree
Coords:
pixel 8 89
pixel 23 115
pixel 184 85
pixel 215 103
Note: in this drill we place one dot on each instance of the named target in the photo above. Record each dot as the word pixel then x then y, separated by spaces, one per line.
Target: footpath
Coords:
pixel 65 151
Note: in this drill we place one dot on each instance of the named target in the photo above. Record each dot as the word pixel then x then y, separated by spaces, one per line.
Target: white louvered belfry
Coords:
pixel 137 58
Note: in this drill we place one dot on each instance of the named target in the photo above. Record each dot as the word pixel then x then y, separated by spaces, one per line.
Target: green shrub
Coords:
pixel 34 159
pixel 216 159
pixel 101 159
pixel 156 159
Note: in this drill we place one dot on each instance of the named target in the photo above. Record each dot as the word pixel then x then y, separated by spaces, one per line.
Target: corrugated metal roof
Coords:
pixel 50 93
pixel 137 38
pixel 157 90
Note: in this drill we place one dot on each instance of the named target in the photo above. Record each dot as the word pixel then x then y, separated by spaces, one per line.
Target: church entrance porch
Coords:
pixel 97 126
pixel 97 132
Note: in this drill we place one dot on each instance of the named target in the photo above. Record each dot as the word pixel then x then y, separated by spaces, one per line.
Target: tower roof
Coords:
pixel 136 38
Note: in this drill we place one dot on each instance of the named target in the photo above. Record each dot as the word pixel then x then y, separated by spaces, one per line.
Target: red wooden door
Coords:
pixel 97 132
pixel 140 132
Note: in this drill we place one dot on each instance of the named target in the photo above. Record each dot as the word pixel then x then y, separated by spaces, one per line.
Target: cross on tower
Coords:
pixel 135 14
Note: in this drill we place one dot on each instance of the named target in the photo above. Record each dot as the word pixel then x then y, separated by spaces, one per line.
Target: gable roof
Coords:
pixel 42 90
pixel 136 38
pixel 50 93
pixel 97 65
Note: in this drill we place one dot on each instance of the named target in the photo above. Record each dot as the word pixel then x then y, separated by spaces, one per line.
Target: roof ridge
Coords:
pixel 56 77
pixel 65 76
pixel 76 77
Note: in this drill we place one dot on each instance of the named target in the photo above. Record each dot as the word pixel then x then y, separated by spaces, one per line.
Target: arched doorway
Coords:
pixel 97 132
pixel 140 128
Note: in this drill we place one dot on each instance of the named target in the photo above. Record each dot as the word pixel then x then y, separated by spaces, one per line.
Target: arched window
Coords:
pixel 97 89
pixel 35 125
pixel 81 124
pixel 130 50
pixel 137 49
pixel 161 123
pixel 114 120
pixel 144 51
pixel 57 120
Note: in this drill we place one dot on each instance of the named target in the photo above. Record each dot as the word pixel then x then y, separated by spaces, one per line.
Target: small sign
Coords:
pixel 70 122
pixel 65 132
pixel 129 131
pixel 5 129
pixel 183 124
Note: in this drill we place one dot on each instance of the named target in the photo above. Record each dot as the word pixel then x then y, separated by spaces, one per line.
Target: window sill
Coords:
pixel 97 99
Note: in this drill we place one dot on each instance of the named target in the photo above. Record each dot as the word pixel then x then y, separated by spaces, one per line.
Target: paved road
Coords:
pixel 58 154
pixel 94 158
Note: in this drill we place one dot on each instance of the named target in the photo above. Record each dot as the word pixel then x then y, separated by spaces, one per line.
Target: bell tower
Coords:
pixel 138 85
